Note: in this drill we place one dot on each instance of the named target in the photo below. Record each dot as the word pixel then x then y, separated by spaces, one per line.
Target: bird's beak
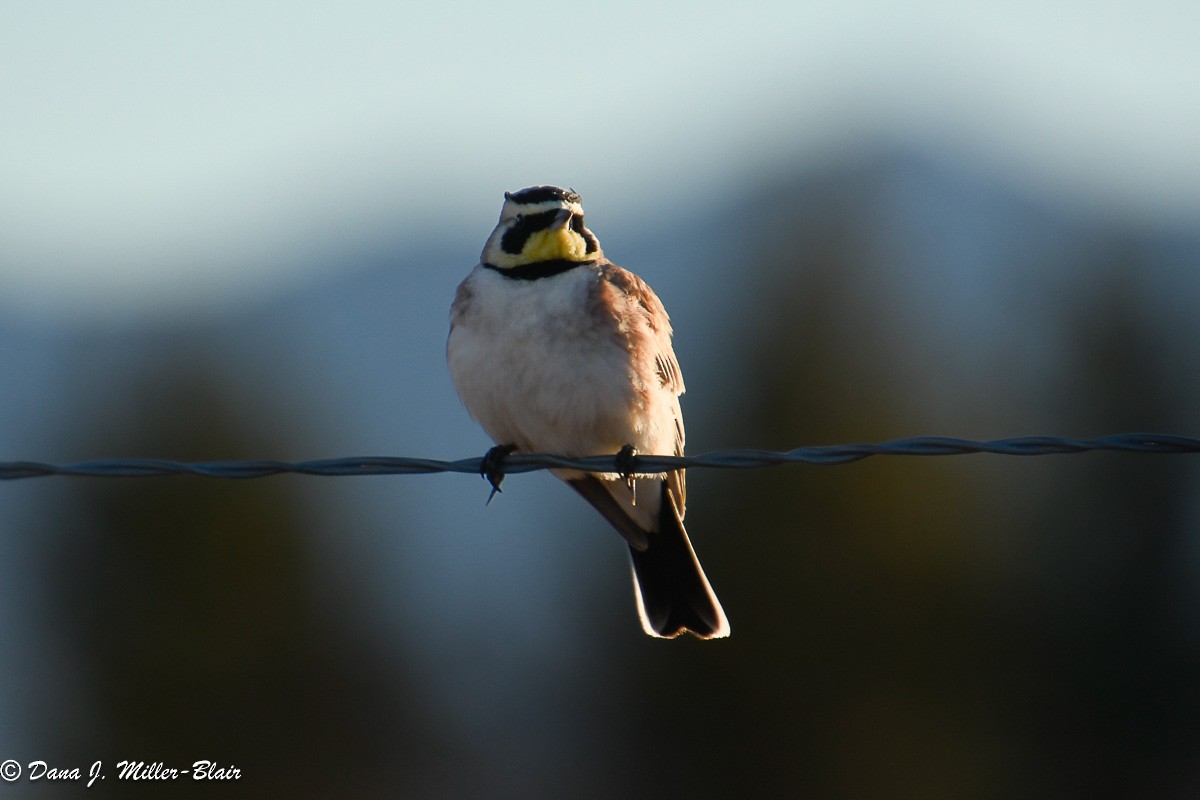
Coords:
pixel 562 219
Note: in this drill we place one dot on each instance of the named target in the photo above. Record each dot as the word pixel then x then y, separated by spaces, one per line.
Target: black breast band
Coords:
pixel 538 269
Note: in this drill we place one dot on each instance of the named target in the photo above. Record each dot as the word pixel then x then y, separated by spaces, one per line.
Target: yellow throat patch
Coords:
pixel 560 243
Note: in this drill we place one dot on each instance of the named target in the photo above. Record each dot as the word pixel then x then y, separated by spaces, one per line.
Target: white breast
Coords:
pixel 537 370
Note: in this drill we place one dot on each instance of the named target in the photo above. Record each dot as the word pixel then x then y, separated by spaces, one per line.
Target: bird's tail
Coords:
pixel 673 595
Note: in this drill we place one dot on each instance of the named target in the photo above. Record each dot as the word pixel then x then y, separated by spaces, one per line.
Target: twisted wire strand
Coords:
pixel 1158 443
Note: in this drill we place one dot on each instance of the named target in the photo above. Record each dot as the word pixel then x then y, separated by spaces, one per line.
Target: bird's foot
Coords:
pixel 492 467
pixel 624 463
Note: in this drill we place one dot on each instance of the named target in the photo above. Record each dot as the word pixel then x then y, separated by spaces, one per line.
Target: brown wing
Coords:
pixel 652 335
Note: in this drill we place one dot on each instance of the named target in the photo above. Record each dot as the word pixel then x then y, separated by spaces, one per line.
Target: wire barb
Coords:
pixel 1158 443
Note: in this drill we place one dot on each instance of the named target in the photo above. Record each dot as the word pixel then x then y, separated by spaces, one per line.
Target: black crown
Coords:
pixel 540 194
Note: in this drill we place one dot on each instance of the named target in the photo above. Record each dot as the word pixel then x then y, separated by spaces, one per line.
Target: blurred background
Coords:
pixel 234 230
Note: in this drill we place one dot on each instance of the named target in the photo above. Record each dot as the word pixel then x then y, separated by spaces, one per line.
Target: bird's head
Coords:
pixel 540 224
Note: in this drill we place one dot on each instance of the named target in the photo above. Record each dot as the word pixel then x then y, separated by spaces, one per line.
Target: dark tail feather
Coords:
pixel 673 595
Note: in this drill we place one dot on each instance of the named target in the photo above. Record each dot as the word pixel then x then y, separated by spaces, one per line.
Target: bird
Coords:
pixel 555 349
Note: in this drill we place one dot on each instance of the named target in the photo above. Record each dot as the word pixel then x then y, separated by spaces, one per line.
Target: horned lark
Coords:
pixel 555 349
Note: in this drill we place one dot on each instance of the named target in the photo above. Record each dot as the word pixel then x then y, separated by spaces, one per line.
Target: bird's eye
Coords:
pixel 520 217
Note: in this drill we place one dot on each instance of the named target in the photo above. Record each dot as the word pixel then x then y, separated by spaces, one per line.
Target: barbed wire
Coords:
pixel 1157 443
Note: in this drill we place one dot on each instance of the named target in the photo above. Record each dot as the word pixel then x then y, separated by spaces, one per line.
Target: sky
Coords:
pixel 165 156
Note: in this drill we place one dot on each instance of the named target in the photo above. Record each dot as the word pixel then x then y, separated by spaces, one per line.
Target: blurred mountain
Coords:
pixel 941 627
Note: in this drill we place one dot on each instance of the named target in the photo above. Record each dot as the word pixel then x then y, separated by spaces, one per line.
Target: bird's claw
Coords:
pixel 624 464
pixel 491 468
pixel 624 461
